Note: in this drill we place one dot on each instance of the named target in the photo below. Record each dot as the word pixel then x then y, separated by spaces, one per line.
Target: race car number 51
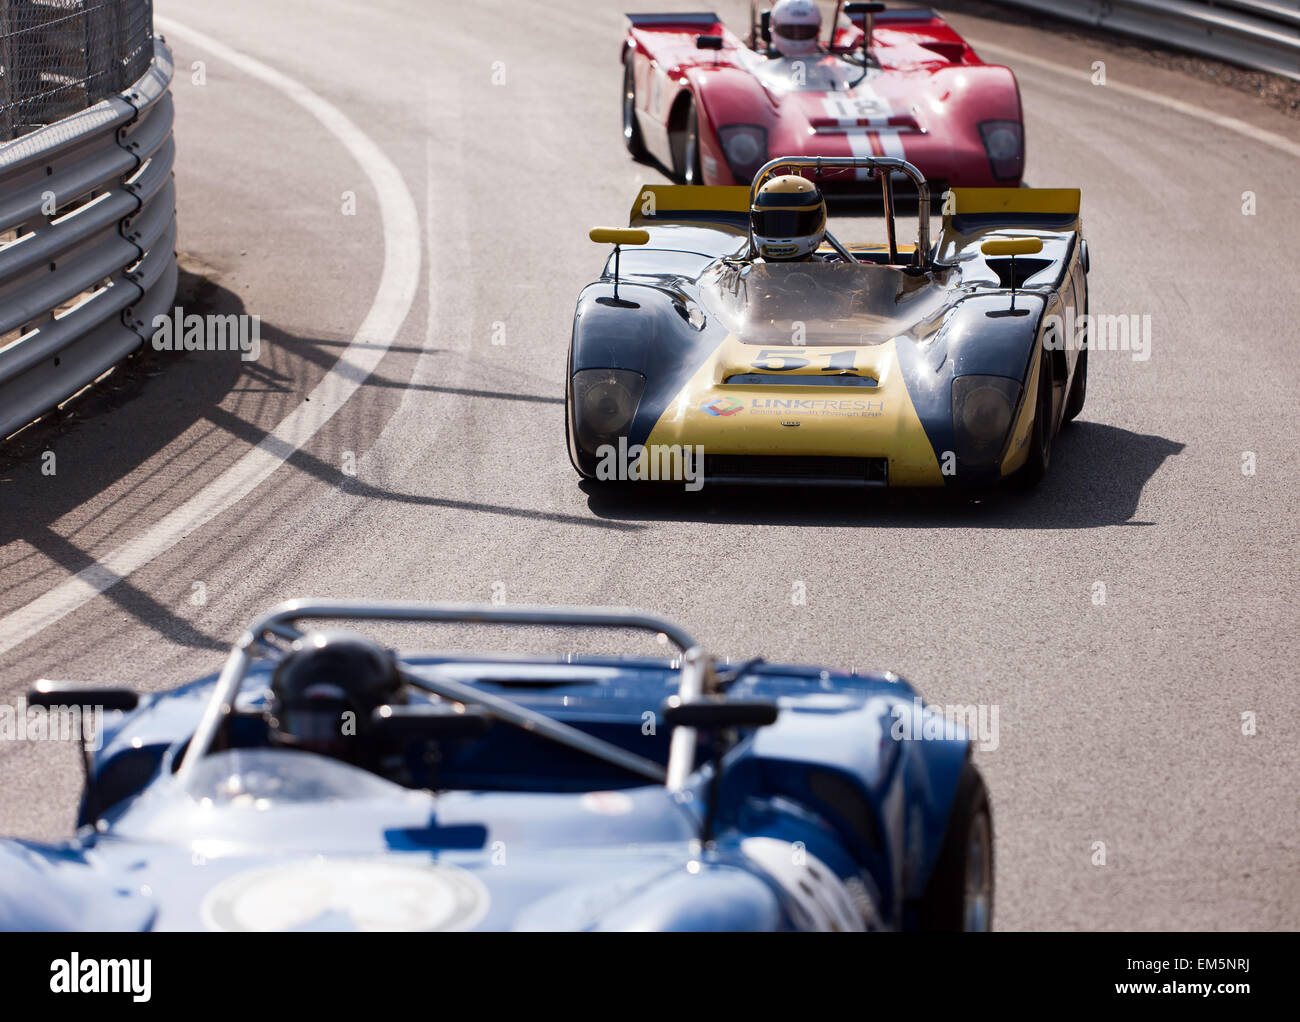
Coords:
pixel 784 360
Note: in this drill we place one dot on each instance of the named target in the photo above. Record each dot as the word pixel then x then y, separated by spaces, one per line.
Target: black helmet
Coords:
pixel 324 690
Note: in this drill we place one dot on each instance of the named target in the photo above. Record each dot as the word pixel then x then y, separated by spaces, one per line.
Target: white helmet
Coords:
pixel 795 25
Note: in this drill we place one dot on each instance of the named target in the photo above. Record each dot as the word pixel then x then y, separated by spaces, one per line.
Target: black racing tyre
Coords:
pixel 568 385
pixel 690 169
pixel 1040 441
pixel 1079 388
pixel 959 895
pixel 568 448
pixel 631 130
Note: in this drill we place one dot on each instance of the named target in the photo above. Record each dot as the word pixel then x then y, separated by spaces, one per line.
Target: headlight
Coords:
pixel 1004 141
pixel 604 401
pixel 745 147
pixel 982 408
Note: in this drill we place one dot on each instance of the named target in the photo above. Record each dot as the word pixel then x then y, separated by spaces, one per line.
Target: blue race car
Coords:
pixel 333 785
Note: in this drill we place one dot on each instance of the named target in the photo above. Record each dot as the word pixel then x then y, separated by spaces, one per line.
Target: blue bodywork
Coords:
pixel 830 818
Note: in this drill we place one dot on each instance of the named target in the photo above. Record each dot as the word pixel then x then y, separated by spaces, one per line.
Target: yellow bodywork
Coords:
pixel 785 417
pixel 789 417
pixel 618 236
pixel 1063 201
pixel 656 200
pixel 1023 430
pixel 1011 246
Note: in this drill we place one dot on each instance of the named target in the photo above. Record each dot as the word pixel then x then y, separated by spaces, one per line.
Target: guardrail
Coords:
pixel 1259 34
pixel 87 243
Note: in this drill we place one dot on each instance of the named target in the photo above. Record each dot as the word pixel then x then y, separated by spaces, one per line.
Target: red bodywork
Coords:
pixel 925 102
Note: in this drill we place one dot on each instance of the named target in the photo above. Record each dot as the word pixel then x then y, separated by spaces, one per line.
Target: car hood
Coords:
pixel 268 840
pixel 813 364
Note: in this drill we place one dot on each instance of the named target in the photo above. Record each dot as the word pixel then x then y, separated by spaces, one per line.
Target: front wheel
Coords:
pixel 960 893
pixel 1040 441
pixel 631 130
pixel 691 173
pixel 1079 388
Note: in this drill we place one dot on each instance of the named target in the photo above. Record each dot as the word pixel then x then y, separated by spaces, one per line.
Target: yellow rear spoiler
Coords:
pixel 1053 201
pixel 658 202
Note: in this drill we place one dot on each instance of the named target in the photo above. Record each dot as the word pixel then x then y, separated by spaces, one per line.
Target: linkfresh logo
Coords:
pixel 723 406
pixel 102 976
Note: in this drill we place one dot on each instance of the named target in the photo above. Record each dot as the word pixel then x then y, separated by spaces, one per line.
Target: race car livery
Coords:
pixel 899 83
pixel 877 364
pixel 535 792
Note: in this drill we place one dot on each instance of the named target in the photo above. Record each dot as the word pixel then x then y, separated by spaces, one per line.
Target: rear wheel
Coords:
pixel 960 893
pixel 631 130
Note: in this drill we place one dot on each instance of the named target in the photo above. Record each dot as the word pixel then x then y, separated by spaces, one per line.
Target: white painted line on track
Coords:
pixel 398 284
pixel 1241 127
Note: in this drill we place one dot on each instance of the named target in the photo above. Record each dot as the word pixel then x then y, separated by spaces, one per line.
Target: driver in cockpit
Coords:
pixel 324 691
pixel 795 27
pixel 789 219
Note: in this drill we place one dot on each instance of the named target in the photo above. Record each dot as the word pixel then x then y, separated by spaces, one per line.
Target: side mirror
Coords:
pixel 708 42
pixel 1011 246
pixel 428 722
pixel 868 12
pixel 48 694
pixel 619 236
pixel 716 713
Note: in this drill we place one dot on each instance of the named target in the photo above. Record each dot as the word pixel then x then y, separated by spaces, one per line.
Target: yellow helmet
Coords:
pixel 789 218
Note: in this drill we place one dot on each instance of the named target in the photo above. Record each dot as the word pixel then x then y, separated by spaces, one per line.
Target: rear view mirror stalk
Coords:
pixel 618 237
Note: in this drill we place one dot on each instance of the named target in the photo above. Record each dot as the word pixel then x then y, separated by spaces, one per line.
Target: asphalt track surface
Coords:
pixel 202 489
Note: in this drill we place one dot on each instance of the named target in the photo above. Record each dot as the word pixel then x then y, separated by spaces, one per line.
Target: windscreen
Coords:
pixel 804 304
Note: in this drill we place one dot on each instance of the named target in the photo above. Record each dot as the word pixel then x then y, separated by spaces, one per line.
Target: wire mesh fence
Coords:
pixel 61 56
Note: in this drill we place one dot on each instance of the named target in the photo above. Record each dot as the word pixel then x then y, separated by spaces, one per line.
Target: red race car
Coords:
pixel 877 82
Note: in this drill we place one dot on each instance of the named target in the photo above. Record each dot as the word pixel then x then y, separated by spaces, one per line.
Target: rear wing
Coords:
pixel 671 38
pixel 694 19
pixel 972 216
pixel 656 205
pixel 968 210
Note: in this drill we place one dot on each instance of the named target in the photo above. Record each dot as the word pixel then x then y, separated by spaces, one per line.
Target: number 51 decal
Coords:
pixel 785 360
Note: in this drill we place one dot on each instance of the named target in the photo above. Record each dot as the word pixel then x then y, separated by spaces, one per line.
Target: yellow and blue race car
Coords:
pixel 696 358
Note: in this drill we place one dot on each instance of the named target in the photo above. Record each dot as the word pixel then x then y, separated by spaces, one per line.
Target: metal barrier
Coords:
pixel 1259 34
pixel 87 243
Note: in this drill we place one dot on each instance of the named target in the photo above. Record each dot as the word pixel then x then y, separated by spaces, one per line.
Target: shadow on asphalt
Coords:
pixel 152 399
pixel 1096 479
pixel 106 433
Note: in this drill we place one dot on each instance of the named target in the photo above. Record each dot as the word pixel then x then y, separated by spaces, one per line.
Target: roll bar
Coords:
pixel 890 164
pixel 695 680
